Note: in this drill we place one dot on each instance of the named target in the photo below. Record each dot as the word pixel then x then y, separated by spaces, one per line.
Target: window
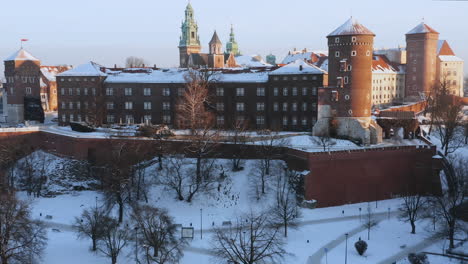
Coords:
pixel 129 119
pixel 78 91
pixel 304 121
pixel 285 91
pixel 147 119
pixel 334 96
pixel 260 120
pixel 166 119
pixel 285 120
pixel 72 118
pixel 353 39
pixel 166 106
pixel 128 91
pixel 240 107
pixel 368 53
pixel 275 91
pixel 239 91
pixel 220 120
pixel 294 78
pixel 167 92
pixel 285 106
pixel 220 107
pixel 346 79
pixel 304 106
pixel 339 82
pixel 294 91
pixel 70 91
pixel 219 91
pixel 294 106
pixel 337 54
pixel 454 82
pixel 70 105
pixel 180 91
pixel 275 107
pixel 294 121
pixel 64 118
pixel 350 67
pixel 78 105
pixel 449 73
pixel 85 91
pixel 454 73
pixel 128 105
pixel 147 105
pixel 240 119
pixel 276 78
pixel 85 105
pixel 260 91
pixel 64 105
pixel 353 53
pixel 94 91
pixel 285 78
pixel 109 91
pixel 110 118
pixel 304 90
pixel 79 118
pixel 260 106
pixel 337 40
pixel 147 91
pixel 304 78
pixel 110 105
pixel 28 90
pixel 62 91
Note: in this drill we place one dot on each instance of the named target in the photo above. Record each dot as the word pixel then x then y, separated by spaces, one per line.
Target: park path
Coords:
pixel 412 249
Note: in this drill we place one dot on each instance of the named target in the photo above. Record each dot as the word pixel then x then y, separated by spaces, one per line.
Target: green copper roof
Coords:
pixel 232 46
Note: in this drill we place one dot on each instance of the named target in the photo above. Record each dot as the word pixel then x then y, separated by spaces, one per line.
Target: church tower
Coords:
pixel 189 40
pixel 232 46
pixel 216 56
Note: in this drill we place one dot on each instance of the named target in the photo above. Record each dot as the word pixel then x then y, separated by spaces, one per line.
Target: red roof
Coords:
pixel 422 29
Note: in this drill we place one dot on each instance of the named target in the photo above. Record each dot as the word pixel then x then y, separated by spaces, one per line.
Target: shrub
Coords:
pixel 418 258
pixel 361 246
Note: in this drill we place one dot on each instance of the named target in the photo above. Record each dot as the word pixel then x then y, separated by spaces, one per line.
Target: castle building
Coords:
pixel 347 102
pixel 449 71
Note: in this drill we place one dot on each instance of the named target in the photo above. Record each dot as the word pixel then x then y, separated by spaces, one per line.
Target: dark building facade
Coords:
pixel 271 98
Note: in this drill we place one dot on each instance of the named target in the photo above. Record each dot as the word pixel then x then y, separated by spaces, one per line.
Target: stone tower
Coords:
pixel 189 40
pixel 22 74
pixel 271 59
pixel 232 46
pixel 216 56
pixel 350 49
pixel 421 48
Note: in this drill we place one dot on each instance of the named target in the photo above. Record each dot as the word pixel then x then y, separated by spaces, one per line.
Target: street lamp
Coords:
pixel 346 250
pixel 201 223
pixel 136 244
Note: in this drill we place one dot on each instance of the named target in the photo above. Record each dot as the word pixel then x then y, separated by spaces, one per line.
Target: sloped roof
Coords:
pixel 21 55
pixel 49 72
pixel 422 29
pixel 251 61
pixel 443 48
pixel 450 58
pixel 298 67
pixel 215 39
pixel 381 64
pixel 87 69
pixel 351 27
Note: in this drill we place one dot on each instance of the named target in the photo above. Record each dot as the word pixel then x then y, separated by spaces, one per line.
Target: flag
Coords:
pixel 24 39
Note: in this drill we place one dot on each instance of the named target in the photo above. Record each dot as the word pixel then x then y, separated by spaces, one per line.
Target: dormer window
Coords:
pixel 337 40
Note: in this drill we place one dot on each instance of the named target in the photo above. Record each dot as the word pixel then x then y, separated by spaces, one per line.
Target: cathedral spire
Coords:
pixel 232 46
pixel 189 28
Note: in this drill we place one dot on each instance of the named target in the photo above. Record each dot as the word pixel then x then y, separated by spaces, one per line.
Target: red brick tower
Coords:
pixel 350 48
pixel 421 48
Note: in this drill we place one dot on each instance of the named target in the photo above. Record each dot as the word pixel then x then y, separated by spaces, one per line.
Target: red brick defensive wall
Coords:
pixel 334 178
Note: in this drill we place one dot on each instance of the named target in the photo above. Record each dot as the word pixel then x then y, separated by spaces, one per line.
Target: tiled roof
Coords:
pixel 351 27
pixel 422 29
pixel 21 55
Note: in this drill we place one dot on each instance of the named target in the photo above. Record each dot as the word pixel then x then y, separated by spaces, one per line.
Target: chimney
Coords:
pixel 155 67
pixel 115 66
pixel 300 67
pixel 143 65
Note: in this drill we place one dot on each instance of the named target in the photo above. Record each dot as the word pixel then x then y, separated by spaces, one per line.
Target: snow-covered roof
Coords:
pixel 381 64
pixel 242 77
pixel 421 29
pixel 50 72
pixel 87 69
pixel 303 54
pixel 251 61
pixel 450 58
pixel 351 27
pixel 298 67
pixel 21 55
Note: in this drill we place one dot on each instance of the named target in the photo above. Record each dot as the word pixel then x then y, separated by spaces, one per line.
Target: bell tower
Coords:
pixel 189 40
pixel 232 46
pixel 216 56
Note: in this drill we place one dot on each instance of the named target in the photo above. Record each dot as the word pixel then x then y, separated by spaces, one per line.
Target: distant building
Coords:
pixel 231 45
pixel 449 69
pixel 49 86
pixel 388 81
pixel 271 59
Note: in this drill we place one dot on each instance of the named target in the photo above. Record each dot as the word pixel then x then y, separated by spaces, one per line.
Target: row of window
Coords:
pixel 240 107
pixel 24 79
pixel 261 91
pixel 129 119
pixel 77 91
pixel 260 120
pixel 77 79
pixel 353 53
pixel 294 78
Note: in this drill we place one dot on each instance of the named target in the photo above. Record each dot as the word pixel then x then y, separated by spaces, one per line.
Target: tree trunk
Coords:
pixel 114 259
pixel 368 233
pixel 4 260
pixel 451 236
pixel 94 244
pixel 198 170
pixel 285 228
pixel 413 227
pixel 121 205
pixel 160 161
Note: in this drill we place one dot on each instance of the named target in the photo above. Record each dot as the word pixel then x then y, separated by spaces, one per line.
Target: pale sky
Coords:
pixel 105 31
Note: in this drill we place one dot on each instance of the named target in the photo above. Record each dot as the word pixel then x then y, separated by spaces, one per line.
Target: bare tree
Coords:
pixel 370 221
pixel 447 206
pixel 158 232
pixel 324 140
pixel 238 138
pixel 411 209
pixel 92 224
pixel 251 240
pixel 284 211
pixel 174 174
pixel 32 172
pixel 22 239
pixel 133 61
pixel 114 240
pixel 446 117
pixel 11 149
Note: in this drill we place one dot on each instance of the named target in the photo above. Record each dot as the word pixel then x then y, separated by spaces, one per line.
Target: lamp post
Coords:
pixel 201 223
pixel 360 214
pixel 136 244
pixel 346 249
